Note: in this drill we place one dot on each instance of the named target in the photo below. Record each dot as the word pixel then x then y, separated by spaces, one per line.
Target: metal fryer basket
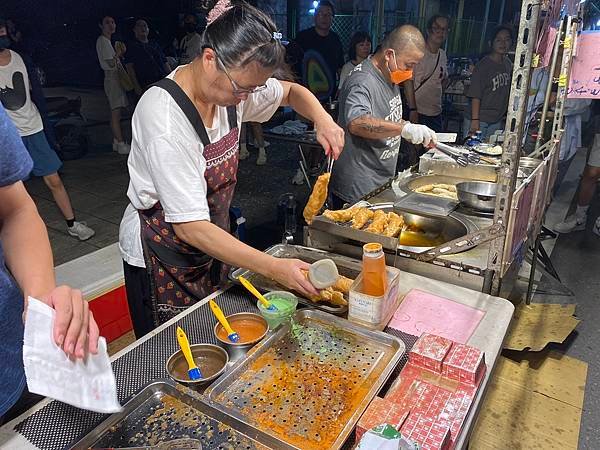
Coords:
pixel 308 383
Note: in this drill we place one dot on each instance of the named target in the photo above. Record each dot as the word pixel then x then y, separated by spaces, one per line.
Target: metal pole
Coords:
pixel 501 15
pixel 485 22
pixel 458 27
pixel 555 52
pixel 513 135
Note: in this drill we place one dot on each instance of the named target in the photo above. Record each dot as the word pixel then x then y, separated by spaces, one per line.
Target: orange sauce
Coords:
pixel 373 270
pixel 248 330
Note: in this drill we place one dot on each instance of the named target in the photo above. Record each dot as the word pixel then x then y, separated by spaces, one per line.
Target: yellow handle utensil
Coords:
pixel 232 335
pixel 193 370
pixel 266 303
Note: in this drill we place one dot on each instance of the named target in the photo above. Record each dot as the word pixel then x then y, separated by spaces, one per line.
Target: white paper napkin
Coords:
pixel 86 384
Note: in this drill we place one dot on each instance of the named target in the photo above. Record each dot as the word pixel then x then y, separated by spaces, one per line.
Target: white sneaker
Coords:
pixel 123 148
pixel 262 157
pixel 596 228
pixel 81 231
pixel 244 153
pixel 570 224
pixel 298 179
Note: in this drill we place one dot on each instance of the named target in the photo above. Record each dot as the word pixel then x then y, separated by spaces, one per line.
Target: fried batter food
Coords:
pixel 343 284
pixel 379 222
pixel 394 225
pixel 317 198
pixel 342 215
pixel 333 294
pixel 362 216
pixel 439 190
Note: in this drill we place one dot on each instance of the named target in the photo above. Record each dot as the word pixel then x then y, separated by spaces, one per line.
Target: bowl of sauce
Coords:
pixel 286 304
pixel 210 359
pixel 250 327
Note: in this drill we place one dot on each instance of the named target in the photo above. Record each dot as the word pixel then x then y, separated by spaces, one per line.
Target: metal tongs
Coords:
pixel 330 162
pixel 461 159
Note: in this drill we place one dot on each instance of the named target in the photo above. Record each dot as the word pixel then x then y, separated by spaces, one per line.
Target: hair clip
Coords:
pixel 278 36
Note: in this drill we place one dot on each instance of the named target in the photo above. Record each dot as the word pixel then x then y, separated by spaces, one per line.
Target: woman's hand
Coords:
pixel 330 136
pixel 75 330
pixel 290 273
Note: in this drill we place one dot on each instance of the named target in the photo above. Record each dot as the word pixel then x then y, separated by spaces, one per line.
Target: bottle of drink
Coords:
pixel 374 274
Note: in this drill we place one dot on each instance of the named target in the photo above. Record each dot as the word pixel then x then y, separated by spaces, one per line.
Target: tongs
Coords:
pixel 330 162
pixel 461 159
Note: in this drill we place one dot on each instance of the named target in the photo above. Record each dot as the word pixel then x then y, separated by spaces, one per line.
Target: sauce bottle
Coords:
pixel 374 274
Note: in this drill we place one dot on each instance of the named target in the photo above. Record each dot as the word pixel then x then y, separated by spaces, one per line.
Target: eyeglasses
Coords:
pixel 237 90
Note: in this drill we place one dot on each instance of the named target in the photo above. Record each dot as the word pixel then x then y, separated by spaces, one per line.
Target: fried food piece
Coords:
pixel 333 297
pixel 425 188
pixel 362 216
pixel 440 192
pixel 317 198
pixel 342 215
pixel 343 284
pixel 394 225
pixel 378 223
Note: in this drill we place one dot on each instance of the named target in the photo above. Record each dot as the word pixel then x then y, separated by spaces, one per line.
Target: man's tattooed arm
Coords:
pixel 370 127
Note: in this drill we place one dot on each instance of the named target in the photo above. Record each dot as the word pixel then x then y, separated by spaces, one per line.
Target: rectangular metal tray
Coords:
pixel 426 205
pixel 310 381
pixel 346 266
pixel 163 412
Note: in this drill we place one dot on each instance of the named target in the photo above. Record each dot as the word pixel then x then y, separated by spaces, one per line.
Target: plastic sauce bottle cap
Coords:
pixel 323 273
pixel 373 247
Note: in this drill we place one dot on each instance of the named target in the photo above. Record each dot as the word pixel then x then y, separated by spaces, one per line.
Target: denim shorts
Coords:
pixel 45 159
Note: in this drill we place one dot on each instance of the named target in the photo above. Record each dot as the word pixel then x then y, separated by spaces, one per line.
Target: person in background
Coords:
pixel 490 87
pixel 191 44
pixel 424 91
pixel 109 59
pixel 326 45
pixel 16 98
pixel 259 141
pixel 360 49
pixel 371 116
pixel 144 60
pixel 27 269
pixel 587 188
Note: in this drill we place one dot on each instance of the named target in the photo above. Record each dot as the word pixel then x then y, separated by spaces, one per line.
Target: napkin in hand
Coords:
pixel 84 383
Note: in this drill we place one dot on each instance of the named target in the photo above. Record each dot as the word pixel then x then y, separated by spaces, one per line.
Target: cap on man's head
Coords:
pixel 326 3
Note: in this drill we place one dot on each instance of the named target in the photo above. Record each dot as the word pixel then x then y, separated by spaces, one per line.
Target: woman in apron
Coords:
pixel 174 237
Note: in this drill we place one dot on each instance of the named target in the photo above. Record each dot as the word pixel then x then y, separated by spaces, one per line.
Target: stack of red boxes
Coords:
pixel 431 398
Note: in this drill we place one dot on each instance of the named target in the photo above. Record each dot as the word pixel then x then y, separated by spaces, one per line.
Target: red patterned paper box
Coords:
pixel 380 411
pixel 464 363
pixel 429 352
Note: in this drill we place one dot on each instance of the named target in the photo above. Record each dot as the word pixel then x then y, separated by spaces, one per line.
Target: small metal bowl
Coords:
pixel 211 359
pixel 479 195
pixel 237 350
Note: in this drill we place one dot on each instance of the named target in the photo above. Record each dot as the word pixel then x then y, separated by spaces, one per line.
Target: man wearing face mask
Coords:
pixel 371 115
pixel 191 44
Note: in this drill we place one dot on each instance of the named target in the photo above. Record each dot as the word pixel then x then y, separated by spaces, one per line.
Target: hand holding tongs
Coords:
pixel 330 162
pixel 461 159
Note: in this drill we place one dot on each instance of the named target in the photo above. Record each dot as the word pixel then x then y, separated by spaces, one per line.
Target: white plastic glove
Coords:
pixel 418 134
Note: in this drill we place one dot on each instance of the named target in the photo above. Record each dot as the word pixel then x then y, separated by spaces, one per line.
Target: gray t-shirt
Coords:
pixel 490 83
pixel 366 164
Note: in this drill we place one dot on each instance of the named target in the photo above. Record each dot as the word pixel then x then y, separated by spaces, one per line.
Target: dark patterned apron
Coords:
pixel 181 275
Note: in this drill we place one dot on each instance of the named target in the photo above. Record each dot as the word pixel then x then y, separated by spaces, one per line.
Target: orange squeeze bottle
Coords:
pixel 374 274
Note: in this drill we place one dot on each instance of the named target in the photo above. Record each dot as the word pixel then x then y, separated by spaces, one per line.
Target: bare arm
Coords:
pixel 219 244
pixel 370 127
pixel 329 134
pixel 475 107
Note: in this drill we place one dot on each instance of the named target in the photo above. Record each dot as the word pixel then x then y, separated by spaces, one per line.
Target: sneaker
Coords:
pixel 596 228
pixel 123 148
pixel 570 224
pixel 262 157
pixel 298 179
pixel 244 153
pixel 81 231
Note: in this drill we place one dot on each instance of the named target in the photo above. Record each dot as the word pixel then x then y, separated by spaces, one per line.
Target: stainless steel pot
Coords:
pixel 479 195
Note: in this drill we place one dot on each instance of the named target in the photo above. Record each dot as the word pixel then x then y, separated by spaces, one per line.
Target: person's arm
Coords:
pixel 370 127
pixel 329 134
pixel 411 99
pixel 136 85
pixel 221 245
pixel 475 109
pixel 29 258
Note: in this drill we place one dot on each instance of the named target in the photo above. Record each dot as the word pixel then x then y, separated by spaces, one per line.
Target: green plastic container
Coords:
pixel 286 304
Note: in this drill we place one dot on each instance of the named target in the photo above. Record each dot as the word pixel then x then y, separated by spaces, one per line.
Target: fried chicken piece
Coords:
pixel 394 225
pixel 378 223
pixel 362 216
pixel 342 215
pixel 317 198
pixel 343 284
pixel 333 297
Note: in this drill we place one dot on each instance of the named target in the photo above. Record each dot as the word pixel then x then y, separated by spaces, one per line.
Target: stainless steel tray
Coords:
pixel 346 266
pixel 309 382
pixel 427 205
pixel 162 412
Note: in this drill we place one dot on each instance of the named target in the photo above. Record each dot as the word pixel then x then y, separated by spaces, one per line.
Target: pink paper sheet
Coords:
pixel 585 71
pixel 422 312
